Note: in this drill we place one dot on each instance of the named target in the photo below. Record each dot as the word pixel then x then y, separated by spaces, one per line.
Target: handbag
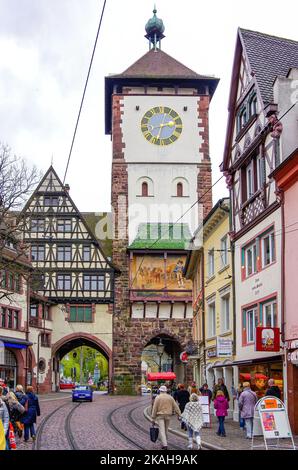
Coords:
pixel 154 432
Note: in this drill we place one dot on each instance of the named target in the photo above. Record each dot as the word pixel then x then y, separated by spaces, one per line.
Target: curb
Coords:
pixel 181 434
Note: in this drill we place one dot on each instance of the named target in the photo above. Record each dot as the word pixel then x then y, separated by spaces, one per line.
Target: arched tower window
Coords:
pixel 145 189
pixel 179 190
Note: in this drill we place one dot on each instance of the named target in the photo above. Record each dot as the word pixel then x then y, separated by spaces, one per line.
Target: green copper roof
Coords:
pixel 162 236
pixel 154 25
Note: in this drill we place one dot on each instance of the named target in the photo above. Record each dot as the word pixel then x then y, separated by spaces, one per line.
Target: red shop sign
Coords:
pixel 267 339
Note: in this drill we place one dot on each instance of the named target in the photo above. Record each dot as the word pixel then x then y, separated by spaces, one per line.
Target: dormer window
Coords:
pixel 253 105
pixel 247 110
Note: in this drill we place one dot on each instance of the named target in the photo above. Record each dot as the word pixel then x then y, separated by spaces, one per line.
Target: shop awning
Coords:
pixel 259 360
pixel 15 343
pixel 161 376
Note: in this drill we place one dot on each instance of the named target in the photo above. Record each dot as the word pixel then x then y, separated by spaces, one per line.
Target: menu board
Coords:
pixel 274 419
pixel 204 401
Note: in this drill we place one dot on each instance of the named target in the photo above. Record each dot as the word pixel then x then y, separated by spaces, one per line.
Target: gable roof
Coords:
pixel 55 186
pixel 158 64
pixel 269 57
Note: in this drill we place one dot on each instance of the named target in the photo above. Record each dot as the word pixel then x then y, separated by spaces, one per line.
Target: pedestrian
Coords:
pixel 19 392
pixel 4 416
pixel 182 397
pixel 192 416
pixel 205 391
pixel 163 408
pixel 247 402
pixel 220 386
pixel 5 389
pixel 15 410
pixel 193 388
pixel 238 394
pixel 31 405
pixel 273 390
pixel 221 405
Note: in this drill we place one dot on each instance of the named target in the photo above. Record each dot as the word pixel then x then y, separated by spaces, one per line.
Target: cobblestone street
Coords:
pixel 108 423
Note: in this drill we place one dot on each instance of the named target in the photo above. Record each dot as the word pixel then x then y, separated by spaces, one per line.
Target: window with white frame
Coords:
pixel 37 252
pixel 250 180
pixel 268 249
pixel 251 259
pixel 211 263
pixel 251 323
pixel 224 251
pixel 211 320
pixel 260 175
pixel 225 313
pixel 270 314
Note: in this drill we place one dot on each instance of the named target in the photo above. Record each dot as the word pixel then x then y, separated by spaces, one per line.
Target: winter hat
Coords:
pixel 163 388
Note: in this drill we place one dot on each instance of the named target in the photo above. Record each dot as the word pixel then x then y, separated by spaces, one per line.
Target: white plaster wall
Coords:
pixel 162 206
pixel 247 292
pixel 138 149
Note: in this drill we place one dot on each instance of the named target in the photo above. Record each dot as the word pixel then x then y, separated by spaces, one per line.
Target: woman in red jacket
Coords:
pixel 221 405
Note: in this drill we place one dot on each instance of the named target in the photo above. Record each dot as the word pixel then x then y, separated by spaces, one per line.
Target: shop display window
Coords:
pixel 259 374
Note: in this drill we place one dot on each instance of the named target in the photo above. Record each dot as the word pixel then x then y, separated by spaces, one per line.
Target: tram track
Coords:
pixel 133 422
pixel 37 445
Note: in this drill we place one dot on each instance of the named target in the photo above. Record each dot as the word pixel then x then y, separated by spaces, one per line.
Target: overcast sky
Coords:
pixel 45 49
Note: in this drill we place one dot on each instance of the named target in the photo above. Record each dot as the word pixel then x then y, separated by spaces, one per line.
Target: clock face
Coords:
pixel 161 125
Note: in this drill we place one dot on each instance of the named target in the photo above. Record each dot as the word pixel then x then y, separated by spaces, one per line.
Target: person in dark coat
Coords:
pixel 273 390
pixel 31 405
pixel 181 396
pixel 220 386
pixel 205 391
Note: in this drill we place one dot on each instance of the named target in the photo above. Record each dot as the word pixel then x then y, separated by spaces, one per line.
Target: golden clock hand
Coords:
pixel 161 126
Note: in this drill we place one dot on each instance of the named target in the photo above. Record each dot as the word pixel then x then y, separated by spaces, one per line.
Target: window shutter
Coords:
pixel 73 313
pixel 88 314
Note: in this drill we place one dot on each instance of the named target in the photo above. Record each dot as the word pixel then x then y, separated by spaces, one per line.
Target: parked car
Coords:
pixel 82 392
pixel 145 390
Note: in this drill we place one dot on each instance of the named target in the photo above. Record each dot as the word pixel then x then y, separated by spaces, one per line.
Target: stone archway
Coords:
pixel 70 342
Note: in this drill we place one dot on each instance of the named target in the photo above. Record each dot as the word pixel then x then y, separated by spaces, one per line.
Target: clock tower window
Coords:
pixel 145 189
pixel 179 190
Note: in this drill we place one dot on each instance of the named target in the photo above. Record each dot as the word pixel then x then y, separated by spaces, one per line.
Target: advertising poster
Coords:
pixel 274 419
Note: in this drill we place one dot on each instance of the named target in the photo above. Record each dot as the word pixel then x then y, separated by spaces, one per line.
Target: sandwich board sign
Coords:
pixel 274 422
pixel 204 401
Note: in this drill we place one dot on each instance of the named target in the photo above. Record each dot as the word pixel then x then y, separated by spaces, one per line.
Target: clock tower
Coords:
pixel 156 112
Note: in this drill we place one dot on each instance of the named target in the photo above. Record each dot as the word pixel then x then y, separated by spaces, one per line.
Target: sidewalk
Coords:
pixel 54 396
pixel 235 439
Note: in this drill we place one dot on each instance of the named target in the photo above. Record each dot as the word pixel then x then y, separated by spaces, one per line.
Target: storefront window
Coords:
pixel 259 374
pixel 8 370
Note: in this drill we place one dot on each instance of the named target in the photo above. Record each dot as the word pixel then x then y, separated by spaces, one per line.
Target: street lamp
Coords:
pixel 160 350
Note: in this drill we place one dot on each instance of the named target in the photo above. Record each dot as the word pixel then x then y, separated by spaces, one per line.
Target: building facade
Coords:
pixel 210 268
pixel 286 176
pixel 256 142
pixel 157 115
pixel 73 285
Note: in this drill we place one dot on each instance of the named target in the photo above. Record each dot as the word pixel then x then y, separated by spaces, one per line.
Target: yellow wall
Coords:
pixel 220 280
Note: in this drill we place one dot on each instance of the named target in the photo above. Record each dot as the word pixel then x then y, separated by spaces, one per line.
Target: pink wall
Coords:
pixel 291 262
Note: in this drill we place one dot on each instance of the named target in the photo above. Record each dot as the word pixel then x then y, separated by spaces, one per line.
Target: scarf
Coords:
pixel 192 415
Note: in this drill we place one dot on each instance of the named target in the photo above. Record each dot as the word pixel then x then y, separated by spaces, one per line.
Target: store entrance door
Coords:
pixel 8 370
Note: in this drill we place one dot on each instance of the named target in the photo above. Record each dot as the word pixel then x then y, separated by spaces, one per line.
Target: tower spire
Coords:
pixel 154 29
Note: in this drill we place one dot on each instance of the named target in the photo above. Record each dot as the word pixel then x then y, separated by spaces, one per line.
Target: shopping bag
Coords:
pixel 154 431
pixel 11 437
pixel 2 437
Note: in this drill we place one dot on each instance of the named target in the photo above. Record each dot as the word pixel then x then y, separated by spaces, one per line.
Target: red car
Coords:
pixel 67 386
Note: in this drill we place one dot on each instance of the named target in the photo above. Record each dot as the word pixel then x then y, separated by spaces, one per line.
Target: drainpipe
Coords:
pixel 203 313
pixel 37 368
pixel 283 245
pixel 27 330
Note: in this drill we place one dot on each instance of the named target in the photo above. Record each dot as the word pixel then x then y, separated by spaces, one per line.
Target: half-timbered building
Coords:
pixel 72 274
pixel 258 138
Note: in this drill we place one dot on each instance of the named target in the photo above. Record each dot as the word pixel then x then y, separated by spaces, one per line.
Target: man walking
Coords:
pixel 163 408
pixel 247 402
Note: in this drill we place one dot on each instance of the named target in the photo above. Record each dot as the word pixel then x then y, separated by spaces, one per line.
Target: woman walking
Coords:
pixel 15 410
pixel 182 397
pixel 31 405
pixel 192 416
pixel 221 405
pixel 4 418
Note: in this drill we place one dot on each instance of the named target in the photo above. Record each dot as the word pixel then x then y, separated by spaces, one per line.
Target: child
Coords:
pixel 221 405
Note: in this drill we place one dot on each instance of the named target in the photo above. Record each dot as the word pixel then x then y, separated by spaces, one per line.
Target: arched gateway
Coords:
pixel 72 341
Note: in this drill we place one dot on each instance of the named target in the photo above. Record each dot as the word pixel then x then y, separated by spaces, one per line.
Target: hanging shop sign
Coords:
pixel 274 420
pixel 293 357
pixel 211 352
pixel 184 356
pixel 267 339
pixel 224 347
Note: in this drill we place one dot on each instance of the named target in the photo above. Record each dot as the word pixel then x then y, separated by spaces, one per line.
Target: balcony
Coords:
pixel 252 208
